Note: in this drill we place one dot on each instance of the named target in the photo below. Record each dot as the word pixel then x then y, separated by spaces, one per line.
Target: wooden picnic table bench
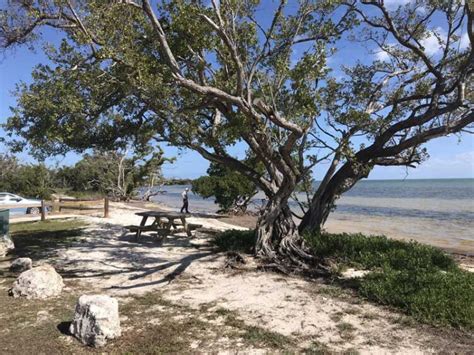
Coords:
pixel 162 224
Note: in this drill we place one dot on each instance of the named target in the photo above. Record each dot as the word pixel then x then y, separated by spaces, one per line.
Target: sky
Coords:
pixel 450 157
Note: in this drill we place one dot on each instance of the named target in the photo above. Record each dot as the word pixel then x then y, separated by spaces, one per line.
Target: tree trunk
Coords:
pixel 278 237
pixel 324 199
pixel 314 219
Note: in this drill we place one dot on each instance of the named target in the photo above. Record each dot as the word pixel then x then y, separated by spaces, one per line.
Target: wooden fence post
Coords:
pixel 106 207
pixel 43 211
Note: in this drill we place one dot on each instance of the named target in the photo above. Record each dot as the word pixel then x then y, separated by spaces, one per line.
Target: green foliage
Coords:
pixel 236 240
pixel 430 295
pixel 99 173
pixel 421 280
pixel 232 190
pixel 361 251
pixel 211 78
pixel 113 173
pixel 27 180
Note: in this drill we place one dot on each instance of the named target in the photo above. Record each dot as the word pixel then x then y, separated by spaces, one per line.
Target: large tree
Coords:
pixel 208 77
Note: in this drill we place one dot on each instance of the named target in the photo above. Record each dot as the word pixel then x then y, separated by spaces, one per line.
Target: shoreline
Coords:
pixel 464 256
pixel 338 224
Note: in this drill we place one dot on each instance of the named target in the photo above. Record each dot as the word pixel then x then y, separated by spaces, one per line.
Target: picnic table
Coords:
pixel 163 223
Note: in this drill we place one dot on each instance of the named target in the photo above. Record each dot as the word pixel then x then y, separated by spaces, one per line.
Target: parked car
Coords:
pixel 14 201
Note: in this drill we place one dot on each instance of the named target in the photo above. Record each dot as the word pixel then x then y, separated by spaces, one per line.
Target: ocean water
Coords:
pixel 439 212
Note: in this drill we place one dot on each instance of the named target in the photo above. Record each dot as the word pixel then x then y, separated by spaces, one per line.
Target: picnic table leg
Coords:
pixel 139 231
pixel 185 225
pixel 159 235
pixel 170 224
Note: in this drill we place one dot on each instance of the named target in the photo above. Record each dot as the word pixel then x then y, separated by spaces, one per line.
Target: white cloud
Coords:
pixel 460 165
pixel 382 56
pixel 421 10
pixel 393 4
pixel 464 41
pixel 432 43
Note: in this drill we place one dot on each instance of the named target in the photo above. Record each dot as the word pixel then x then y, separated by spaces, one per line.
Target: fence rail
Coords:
pixel 66 204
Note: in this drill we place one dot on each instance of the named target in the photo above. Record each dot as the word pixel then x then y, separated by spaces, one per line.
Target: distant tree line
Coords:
pixel 116 174
pixel 26 179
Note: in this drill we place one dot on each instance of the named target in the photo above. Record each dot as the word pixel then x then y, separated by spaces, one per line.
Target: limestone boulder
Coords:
pixel 21 264
pixel 39 282
pixel 96 320
pixel 6 245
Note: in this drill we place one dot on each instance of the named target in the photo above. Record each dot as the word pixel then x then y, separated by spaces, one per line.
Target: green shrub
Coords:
pixel 420 280
pixel 236 240
pixel 378 251
pixel 430 296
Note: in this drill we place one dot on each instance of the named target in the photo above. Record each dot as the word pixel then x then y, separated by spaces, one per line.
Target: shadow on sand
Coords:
pixel 107 250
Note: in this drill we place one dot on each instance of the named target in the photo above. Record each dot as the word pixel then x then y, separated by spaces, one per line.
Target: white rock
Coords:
pixel 6 244
pixel 21 264
pixel 39 282
pixel 96 319
pixel 354 274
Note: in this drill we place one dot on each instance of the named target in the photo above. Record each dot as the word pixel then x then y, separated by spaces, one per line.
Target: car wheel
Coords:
pixel 33 210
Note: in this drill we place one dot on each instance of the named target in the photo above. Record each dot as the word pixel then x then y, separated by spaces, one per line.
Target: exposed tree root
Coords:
pixel 233 260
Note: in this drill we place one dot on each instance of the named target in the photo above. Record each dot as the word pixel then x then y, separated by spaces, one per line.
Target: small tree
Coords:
pixel 232 190
pixel 152 175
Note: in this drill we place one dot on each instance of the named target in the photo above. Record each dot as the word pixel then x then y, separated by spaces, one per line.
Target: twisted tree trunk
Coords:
pixel 278 238
pixel 328 192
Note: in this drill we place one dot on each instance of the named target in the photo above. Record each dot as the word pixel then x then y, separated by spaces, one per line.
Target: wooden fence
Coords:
pixel 60 205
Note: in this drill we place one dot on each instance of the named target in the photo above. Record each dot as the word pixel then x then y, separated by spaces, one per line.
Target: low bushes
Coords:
pixel 365 252
pixel 236 240
pixel 421 280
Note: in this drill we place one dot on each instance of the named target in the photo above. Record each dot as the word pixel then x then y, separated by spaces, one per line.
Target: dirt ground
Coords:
pixel 225 309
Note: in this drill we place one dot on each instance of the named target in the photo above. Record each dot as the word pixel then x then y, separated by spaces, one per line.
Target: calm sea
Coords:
pixel 440 212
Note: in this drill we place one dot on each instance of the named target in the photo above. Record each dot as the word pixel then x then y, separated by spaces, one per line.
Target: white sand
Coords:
pixel 188 272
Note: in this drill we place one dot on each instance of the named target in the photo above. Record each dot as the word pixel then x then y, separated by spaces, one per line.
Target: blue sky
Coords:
pixel 450 157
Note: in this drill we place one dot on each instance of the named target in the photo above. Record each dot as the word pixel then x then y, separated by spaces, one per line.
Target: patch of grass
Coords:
pixel 262 337
pixel 421 280
pixel 222 311
pixel 317 348
pixel 369 316
pixel 253 335
pixel 22 331
pixel 236 240
pixel 336 317
pixel 333 291
pixel 346 330
pixel 39 240
pixel 171 334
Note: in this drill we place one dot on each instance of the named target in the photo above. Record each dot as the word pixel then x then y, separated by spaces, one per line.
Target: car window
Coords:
pixel 3 197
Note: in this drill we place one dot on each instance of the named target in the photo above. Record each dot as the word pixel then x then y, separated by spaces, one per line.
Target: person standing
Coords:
pixel 185 200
